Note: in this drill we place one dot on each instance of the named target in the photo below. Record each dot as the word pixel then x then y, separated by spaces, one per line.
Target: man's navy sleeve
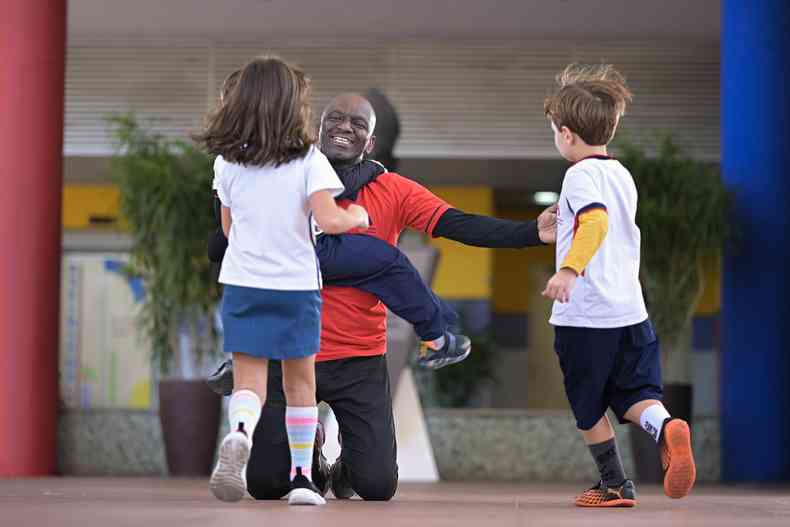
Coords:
pixel 485 231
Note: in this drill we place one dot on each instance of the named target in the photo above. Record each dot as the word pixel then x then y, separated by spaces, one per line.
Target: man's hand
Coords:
pixel 547 225
pixel 560 285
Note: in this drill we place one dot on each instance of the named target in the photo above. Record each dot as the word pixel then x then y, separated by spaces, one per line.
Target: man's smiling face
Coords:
pixel 346 133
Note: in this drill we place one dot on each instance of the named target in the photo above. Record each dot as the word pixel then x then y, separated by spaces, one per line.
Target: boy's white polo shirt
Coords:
pixel 608 293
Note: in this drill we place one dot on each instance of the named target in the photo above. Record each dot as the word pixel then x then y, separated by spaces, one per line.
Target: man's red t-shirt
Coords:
pixel 354 323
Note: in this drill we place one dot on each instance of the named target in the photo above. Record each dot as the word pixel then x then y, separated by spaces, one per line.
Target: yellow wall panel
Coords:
pixel 513 280
pixel 90 206
pixel 464 272
pixel 710 302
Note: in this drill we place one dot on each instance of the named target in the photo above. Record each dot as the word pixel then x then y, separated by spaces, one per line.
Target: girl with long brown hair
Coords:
pixel 271 181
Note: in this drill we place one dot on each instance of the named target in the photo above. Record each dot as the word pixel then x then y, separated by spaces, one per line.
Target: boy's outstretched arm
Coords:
pixel 592 227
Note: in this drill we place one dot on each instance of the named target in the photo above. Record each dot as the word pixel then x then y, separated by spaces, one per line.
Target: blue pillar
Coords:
pixel 755 161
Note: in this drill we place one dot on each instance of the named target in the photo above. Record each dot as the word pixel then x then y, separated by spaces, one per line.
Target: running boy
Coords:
pixel 607 349
pixel 271 179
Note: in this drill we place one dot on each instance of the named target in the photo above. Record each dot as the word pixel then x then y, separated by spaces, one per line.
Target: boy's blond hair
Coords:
pixel 589 101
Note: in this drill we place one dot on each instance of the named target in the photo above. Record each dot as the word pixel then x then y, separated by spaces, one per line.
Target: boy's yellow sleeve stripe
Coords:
pixel 592 224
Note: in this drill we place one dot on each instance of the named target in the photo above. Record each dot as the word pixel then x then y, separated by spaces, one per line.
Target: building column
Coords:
pixel 755 161
pixel 32 54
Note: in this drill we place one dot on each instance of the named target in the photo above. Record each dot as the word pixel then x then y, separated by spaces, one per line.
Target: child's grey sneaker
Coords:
pixel 228 481
pixel 456 348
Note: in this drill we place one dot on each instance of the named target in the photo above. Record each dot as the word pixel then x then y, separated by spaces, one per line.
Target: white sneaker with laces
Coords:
pixel 229 480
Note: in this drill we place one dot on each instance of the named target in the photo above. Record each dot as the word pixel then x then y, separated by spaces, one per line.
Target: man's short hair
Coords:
pixel 589 100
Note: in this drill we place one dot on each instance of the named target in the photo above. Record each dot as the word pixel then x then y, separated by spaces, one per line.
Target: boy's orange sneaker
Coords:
pixel 680 472
pixel 602 496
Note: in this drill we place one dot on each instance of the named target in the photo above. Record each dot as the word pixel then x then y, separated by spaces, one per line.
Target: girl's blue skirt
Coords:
pixel 271 324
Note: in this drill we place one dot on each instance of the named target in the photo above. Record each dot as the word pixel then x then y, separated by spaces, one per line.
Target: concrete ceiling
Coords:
pixel 351 19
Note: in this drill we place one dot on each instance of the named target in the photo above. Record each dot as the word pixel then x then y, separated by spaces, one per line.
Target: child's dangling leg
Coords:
pixel 228 480
pixel 301 422
pixel 673 437
pixel 376 267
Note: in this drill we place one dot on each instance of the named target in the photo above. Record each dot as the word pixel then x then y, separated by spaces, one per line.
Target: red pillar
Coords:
pixel 32 55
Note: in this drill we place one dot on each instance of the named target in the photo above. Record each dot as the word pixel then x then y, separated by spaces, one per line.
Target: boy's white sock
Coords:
pixel 652 420
pixel 244 409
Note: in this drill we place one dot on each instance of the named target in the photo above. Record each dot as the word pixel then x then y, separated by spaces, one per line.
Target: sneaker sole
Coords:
pixel 608 504
pixel 441 363
pixel 227 482
pixel 305 497
pixel 682 472
pixel 343 494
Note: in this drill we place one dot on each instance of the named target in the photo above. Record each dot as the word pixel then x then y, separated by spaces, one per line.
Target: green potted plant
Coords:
pixel 683 216
pixel 164 186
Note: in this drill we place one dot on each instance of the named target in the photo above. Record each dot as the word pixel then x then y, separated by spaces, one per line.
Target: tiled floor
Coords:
pixel 187 503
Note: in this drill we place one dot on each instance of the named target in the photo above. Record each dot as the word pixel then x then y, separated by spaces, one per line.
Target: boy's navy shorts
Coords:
pixel 608 368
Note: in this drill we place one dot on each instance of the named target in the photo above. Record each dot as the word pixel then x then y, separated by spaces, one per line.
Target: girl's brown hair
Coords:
pixel 264 119
pixel 589 101
pixel 228 84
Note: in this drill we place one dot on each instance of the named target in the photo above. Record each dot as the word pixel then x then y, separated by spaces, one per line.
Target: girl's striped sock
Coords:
pixel 301 423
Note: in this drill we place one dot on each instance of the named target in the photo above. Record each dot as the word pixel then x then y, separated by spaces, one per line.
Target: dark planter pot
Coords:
pixel 189 412
pixel 677 399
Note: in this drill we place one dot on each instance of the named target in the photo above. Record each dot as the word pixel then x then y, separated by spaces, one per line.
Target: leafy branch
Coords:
pixel 683 214
pixel 164 198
